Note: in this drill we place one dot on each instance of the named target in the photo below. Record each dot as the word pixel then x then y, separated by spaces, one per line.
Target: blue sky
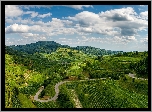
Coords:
pixel 110 27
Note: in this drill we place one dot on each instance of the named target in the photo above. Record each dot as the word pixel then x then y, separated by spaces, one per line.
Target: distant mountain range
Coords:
pixel 51 46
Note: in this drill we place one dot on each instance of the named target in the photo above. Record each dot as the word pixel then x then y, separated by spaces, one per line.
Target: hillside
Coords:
pixel 40 46
pixel 110 93
pixel 51 46
pixel 25 73
pixel 96 51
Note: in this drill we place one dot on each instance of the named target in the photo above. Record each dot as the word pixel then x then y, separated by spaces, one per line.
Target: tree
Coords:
pixel 42 94
pixel 141 68
pixel 16 91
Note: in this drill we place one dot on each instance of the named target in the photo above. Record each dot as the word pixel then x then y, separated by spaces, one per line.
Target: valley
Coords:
pixel 80 77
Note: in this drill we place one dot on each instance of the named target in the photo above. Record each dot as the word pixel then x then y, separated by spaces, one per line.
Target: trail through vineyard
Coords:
pixel 76 99
pixel 56 90
pixel 72 92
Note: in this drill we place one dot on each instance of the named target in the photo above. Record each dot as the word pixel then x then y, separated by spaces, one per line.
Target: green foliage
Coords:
pixel 50 104
pixel 30 89
pixel 64 100
pixel 25 102
pixel 48 90
pixel 30 66
pixel 40 47
pixel 141 68
pixel 138 86
pixel 16 102
pixel 109 94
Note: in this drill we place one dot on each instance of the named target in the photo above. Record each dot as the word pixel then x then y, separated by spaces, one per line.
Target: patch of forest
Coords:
pixel 51 46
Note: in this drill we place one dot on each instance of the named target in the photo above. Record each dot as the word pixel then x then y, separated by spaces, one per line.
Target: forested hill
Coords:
pixel 96 51
pixel 39 47
pixel 51 46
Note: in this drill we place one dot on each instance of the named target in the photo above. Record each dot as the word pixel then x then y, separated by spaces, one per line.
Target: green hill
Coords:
pixel 51 46
pixel 26 72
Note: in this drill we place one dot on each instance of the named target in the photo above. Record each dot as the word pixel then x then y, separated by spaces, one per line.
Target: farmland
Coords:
pixel 91 81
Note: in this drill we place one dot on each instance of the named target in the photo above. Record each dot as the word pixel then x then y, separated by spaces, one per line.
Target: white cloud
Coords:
pixel 19 20
pixel 62 38
pixel 109 40
pixel 67 22
pixel 105 23
pixel 26 35
pixel 55 27
pixel 124 14
pixel 129 38
pixel 87 30
pixel 45 15
pixel 144 40
pixel 33 14
pixel 15 28
pixel 33 36
pixel 42 38
pixel 56 23
pixel 78 7
pixel 12 11
pixel 84 37
pixel 26 21
pixel 8 20
pixel 144 15
pixel 35 6
pixel 120 25
pixel 140 9
pixel 37 28
pixel 85 18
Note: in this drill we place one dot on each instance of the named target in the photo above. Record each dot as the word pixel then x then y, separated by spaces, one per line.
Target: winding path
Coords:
pixel 56 90
pixel 133 76
pixel 53 98
pixel 60 83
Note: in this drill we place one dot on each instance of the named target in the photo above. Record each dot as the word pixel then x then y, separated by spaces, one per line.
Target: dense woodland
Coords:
pixel 27 67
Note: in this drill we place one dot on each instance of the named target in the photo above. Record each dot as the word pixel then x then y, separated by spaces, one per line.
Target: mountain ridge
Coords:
pixel 51 46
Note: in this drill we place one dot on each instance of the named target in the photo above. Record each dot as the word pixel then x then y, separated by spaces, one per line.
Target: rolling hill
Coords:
pixel 28 67
pixel 51 46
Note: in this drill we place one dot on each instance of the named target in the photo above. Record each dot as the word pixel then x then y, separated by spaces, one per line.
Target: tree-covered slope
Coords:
pixel 16 77
pixel 96 51
pixel 40 47
pixel 51 46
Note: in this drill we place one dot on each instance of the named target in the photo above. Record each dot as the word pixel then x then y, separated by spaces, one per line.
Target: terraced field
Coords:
pixel 108 94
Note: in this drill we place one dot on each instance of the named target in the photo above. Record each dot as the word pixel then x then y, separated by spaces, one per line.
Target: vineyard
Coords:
pixel 26 73
pixel 110 94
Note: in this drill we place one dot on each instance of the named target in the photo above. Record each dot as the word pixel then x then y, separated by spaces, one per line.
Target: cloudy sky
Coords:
pixel 110 27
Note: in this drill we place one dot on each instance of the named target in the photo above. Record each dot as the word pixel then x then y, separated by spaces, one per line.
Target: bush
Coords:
pixel 64 99
pixel 25 102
